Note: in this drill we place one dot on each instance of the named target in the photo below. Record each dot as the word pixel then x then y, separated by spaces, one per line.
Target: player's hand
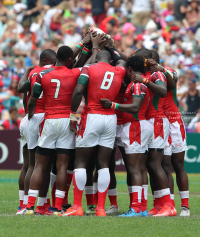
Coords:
pixel 110 43
pixel 151 62
pixel 73 126
pixel 106 103
pixel 156 68
pixel 87 38
pixel 136 78
pixel 98 39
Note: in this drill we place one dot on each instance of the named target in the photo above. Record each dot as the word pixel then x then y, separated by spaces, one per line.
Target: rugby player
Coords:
pixel 136 132
pixel 177 139
pixel 26 84
pixel 157 84
pixel 102 81
pixel 57 84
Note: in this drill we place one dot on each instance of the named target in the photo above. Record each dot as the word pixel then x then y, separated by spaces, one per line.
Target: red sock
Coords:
pixel 158 203
pixel 77 195
pixel 59 202
pixel 113 200
pixel 31 201
pixel 69 180
pixel 143 202
pixel 135 204
pixel 95 198
pixel 89 199
pixel 130 196
pixel 184 202
pixel 21 203
pixel 53 195
pixel 166 200
pixel 101 199
pixel 173 203
pixel 48 203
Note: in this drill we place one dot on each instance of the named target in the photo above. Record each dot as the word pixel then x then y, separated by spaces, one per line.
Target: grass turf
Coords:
pixel 12 225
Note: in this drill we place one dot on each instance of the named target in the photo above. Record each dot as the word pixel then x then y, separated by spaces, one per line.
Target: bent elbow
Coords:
pixel 135 110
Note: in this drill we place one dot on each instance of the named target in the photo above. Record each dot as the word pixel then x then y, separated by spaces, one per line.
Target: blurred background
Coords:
pixel 172 28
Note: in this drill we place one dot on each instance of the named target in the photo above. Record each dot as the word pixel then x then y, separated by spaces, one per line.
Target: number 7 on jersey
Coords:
pixel 57 87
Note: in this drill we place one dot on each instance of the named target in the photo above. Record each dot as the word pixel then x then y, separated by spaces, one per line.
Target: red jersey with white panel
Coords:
pixel 155 109
pixel 170 105
pixel 120 100
pixel 136 90
pixel 40 104
pixel 58 84
pixel 104 82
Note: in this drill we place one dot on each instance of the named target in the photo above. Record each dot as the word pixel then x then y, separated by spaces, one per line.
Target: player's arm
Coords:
pixel 127 108
pixel 171 76
pixel 37 90
pixel 159 88
pixel 24 83
pixel 77 96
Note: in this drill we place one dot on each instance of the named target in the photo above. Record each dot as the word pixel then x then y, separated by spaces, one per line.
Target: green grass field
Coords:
pixel 12 225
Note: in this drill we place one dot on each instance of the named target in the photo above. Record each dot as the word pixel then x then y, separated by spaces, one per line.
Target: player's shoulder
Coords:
pixel 35 70
pixel 46 70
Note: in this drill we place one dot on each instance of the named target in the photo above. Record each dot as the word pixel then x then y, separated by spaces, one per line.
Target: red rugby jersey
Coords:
pixel 136 90
pixel 155 109
pixel 40 104
pixel 104 81
pixel 120 100
pixel 58 84
pixel 170 105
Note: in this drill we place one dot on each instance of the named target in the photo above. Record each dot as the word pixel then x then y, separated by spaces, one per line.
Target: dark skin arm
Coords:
pixel 24 100
pixel 21 87
pixel 159 90
pixel 127 108
pixel 171 78
pixel 76 100
pixel 31 106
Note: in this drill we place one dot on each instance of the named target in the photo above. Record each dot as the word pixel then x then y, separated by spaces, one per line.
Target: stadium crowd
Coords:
pixel 172 28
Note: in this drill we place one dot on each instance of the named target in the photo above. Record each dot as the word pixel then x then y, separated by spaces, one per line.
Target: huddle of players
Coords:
pixel 137 94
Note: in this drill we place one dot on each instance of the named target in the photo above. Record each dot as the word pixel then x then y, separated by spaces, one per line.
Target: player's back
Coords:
pixel 104 82
pixel 40 104
pixel 58 83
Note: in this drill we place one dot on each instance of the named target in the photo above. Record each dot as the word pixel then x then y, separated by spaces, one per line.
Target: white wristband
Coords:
pixel 73 117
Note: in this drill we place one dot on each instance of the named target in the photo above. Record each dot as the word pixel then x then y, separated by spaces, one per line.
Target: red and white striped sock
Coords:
pixel 32 194
pixel 144 203
pixel 136 198
pixel 184 195
pixel 59 199
pixel 112 194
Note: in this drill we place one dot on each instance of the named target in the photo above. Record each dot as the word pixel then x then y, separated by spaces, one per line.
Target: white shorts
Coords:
pixel 178 135
pixel 23 128
pixel 160 132
pixel 34 130
pixel 56 133
pixel 136 136
pixel 118 138
pixel 168 148
pixel 98 129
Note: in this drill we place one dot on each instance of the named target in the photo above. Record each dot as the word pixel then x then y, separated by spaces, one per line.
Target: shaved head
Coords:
pixel 143 52
pixel 103 55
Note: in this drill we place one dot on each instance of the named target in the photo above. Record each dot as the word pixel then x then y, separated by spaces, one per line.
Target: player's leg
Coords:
pixel 160 181
pixel 178 135
pixel 61 178
pixel 29 173
pixel 89 189
pixel 22 177
pixel 182 181
pixel 144 199
pixel 82 158
pixel 53 181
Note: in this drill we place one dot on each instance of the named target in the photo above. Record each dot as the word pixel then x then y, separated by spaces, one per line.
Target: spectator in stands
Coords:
pixel 171 59
pixel 181 8
pixel 99 10
pixel 181 88
pixel 4 12
pixel 192 14
pixel 141 10
pixel 24 46
pixel 192 97
pixel 128 30
pixel 6 48
pixel 18 69
pixel 6 78
pixel 13 122
pixel 84 19
pixel 33 8
pixel 72 38
pixel 195 123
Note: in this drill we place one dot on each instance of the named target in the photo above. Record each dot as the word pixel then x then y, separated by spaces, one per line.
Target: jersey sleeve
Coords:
pixel 84 76
pixel 37 88
pixel 158 78
pixel 138 90
pixel 121 70
pixel 76 72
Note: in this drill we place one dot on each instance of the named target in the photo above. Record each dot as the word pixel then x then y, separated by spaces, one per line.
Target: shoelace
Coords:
pixel 128 212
